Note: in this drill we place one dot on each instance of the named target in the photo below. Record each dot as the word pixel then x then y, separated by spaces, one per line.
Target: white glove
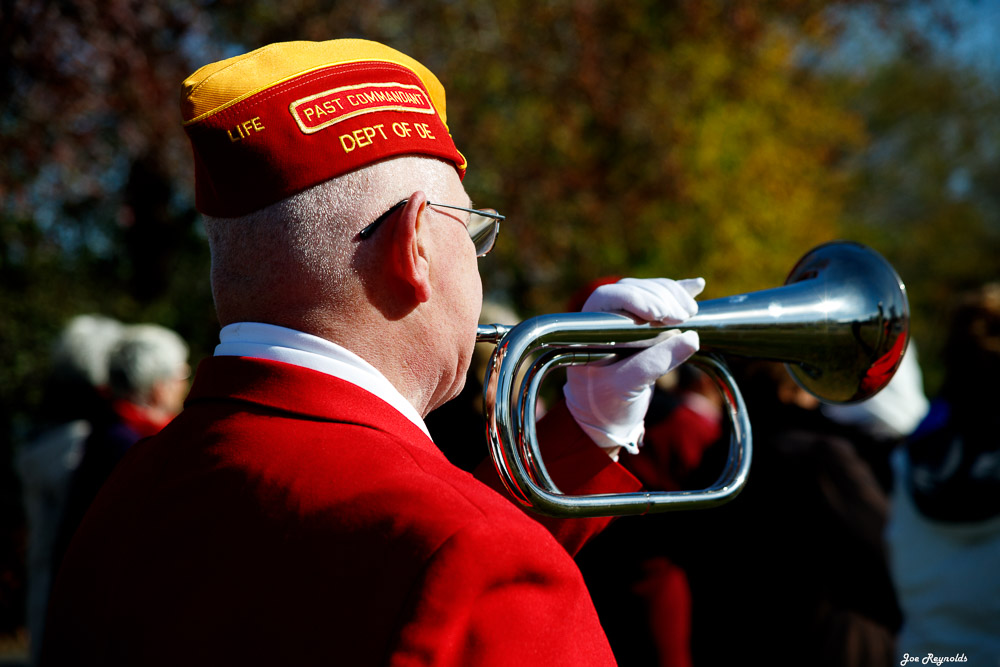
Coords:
pixel 609 402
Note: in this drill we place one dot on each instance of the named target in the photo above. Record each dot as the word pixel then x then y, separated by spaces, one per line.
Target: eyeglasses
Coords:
pixel 483 225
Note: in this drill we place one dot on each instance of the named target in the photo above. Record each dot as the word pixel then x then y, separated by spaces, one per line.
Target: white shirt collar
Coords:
pixel 267 341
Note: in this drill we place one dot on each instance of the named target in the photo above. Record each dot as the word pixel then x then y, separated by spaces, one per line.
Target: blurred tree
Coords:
pixel 926 189
pixel 671 141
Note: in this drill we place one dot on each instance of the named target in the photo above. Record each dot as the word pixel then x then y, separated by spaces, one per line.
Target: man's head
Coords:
pixel 149 367
pixel 285 235
pixel 413 285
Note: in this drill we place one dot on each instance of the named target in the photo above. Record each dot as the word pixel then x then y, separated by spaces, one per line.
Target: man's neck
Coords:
pixel 402 356
pixel 404 348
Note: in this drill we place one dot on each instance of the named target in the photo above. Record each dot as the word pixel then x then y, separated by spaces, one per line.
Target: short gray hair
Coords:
pixel 145 355
pixel 313 230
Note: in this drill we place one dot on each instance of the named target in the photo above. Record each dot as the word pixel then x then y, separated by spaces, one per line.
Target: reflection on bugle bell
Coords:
pixel 840 323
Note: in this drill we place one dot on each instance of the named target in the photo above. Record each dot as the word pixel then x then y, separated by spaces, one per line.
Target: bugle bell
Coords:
pixel 840 324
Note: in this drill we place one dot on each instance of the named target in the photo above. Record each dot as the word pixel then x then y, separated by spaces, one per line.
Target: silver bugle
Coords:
pixel 840 323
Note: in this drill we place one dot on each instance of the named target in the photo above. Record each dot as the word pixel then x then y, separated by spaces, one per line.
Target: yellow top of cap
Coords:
pixel 219 85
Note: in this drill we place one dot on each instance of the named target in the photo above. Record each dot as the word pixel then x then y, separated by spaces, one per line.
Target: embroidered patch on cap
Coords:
pixel 322 110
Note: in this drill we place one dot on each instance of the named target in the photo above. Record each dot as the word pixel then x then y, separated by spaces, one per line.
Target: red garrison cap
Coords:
pixel 275 121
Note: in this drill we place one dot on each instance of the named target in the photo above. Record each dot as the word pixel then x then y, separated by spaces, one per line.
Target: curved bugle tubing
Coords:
pixel 840 324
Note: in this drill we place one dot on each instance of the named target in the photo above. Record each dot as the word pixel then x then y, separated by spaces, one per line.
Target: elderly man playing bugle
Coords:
pixel 297 511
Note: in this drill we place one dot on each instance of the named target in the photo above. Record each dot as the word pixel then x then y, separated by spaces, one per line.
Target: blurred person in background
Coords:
pixel 805 534
pixel 792 571
pixel 673 458
pixel 147 381
pixel 75 397
pixel 944 532
pixel 677 440
pixel 645 602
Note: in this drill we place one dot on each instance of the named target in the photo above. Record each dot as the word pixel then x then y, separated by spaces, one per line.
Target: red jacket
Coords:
pixel 287 517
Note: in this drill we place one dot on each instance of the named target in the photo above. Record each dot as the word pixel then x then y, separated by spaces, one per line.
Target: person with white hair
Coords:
pixel 148 369
pixel 147 375
pixel 297 511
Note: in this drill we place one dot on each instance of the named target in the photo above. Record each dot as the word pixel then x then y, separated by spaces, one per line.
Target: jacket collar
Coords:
pixel 300 392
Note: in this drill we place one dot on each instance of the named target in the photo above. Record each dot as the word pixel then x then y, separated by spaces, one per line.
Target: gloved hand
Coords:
pixel 609 401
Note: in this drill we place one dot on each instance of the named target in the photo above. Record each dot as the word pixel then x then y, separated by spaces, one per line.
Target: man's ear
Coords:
pixel 409 253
